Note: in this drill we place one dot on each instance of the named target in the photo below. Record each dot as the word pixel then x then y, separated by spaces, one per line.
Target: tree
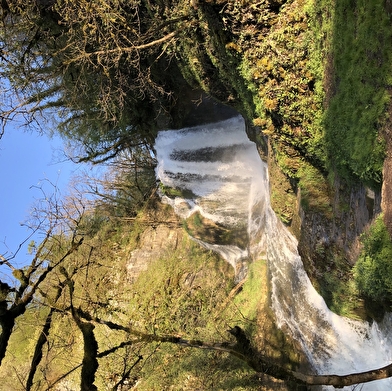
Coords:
pixel 125 185
pixel 95 68
pixel 30 279
pixel 107 74
pixel 171 304
pixel 104 72
pixel 372 270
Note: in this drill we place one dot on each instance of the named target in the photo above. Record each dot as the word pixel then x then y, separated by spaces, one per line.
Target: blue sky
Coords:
pixel 26 159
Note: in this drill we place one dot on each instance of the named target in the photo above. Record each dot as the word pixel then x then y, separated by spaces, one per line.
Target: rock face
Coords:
pixel 162 233
pixel 154 243
pixel 353 211
pixel 329 247
pixel 207 110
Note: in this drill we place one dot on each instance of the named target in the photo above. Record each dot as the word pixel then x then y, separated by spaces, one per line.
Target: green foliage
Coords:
pixel 246 304
pixel 192 369
pixel 185 293
pixel 339 290
pixel 283 81
pixel 315 190
pixel 373 270
pixel 180 292
pixel 189 369
pixel 361 66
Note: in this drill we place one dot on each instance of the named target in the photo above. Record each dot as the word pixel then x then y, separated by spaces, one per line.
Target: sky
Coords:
pixel 26 161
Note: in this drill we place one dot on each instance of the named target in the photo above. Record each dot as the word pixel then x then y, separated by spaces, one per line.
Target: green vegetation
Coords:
pixel 313 76
pixel 182 294
pixel 319 72
pixel 315 190
pixel 250 309
pixel 365 289
pixel 210 232
pixel 283 68
pixel 373 270
pixel 245 306
pixel 285 85
pixel 338 288
pixel 361 53
pixel 172 192
pixel 188 370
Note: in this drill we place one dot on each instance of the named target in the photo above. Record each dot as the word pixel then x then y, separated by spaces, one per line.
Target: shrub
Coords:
pixel 373 270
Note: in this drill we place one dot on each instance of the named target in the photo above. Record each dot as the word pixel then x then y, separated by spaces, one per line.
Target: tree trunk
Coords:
pixel 90 362
pixel 7 322
pixel 38 349
pixel 346 380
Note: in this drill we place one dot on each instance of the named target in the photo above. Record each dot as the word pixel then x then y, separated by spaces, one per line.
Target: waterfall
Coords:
pixel 218 173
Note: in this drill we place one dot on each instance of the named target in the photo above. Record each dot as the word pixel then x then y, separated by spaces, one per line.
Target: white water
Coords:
pixel 228 183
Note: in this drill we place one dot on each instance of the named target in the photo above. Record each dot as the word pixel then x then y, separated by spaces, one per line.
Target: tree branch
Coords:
pixel 121 50
pixel 244 351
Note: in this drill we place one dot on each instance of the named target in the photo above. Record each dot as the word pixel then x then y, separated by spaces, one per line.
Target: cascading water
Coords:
pixel 220 175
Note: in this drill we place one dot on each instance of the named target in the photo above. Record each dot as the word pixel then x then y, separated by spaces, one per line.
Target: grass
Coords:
pixel 183 293
pixel 247 302
pixel 362 53
pixel 316 192
pixel 251 310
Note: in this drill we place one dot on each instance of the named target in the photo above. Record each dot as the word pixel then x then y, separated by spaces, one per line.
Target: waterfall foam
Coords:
pixel 220 175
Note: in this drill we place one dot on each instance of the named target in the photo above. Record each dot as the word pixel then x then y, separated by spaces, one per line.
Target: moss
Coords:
pixel 210 232
pixel 316 191
pixel 283 197
pixel 282 78
pixel 361 49
pixel 174 192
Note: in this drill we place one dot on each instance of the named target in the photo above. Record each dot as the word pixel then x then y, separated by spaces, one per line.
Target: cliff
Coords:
pixel 317 107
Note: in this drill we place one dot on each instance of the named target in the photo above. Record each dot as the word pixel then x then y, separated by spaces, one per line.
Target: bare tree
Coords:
pixel 15 300
pixel 51 221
